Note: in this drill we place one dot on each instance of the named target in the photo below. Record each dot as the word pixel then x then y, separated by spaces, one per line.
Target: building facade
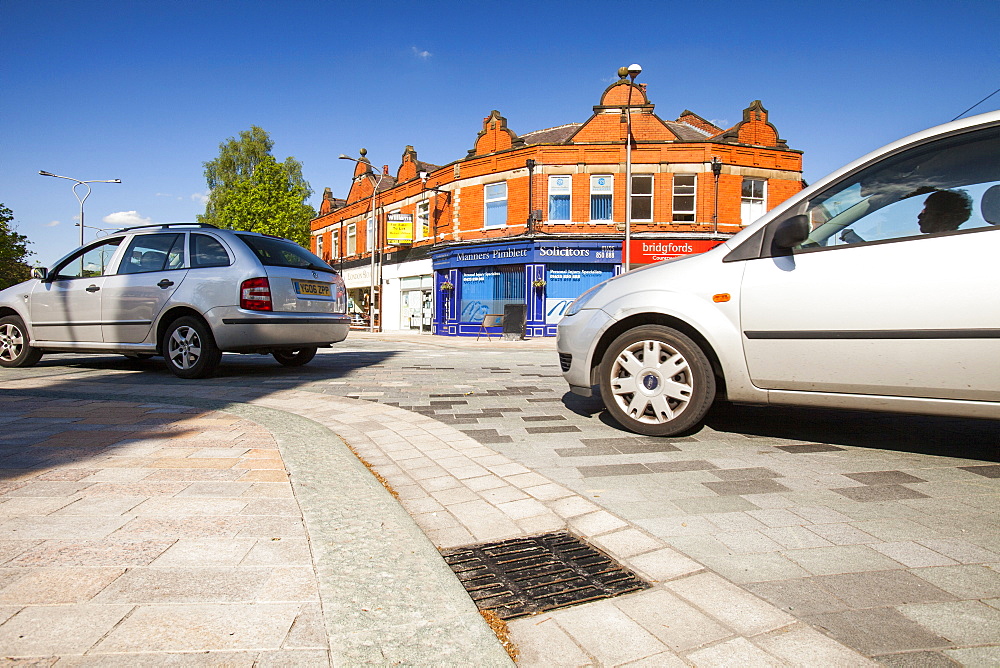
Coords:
pixel 523 224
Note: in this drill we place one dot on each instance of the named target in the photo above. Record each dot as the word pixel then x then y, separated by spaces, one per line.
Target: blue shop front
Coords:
pixel 476 281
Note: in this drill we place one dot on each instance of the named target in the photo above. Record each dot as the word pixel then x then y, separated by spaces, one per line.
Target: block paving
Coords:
pixel 774 537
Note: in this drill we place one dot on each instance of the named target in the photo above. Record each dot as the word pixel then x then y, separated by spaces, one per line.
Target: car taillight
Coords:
pixel 255 295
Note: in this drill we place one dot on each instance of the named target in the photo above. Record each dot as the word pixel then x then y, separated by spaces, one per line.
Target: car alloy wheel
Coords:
pixel 15 351
pixel 656 381
pixel 189 348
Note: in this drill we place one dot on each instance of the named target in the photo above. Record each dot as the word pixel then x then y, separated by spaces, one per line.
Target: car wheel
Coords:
pixel 15 351
pixel 189 348
pixel 656 381
pixel 294 357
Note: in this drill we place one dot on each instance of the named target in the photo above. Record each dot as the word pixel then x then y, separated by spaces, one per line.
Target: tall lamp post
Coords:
pixel 85 184
pixel 632 71
pixel 716 170
pixel 374 235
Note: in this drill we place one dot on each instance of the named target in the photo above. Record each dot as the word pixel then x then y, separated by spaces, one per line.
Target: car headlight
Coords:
pixel 582 300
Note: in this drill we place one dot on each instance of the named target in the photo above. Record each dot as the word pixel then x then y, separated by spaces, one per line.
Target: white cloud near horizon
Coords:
pixel 126 219
pixel 201 198
pixel 421 53
pixel 52 223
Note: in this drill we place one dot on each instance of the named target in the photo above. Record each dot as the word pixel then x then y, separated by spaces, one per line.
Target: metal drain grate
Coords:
pixel 525 576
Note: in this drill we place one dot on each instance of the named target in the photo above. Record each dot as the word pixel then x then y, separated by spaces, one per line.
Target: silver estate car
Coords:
pixel 873 289
pixel 187 292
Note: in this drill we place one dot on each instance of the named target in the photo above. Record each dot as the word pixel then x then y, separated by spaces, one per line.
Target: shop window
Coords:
pixel 752 204
pixel 352 239
pixel 423 220
pixel 602 189
pixel 566 282
pixel 642 197
pixel 560 191
pixel 488 289
pixel 496 204
pixel 684 190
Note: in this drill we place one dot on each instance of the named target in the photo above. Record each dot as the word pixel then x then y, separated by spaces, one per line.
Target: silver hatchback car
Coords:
pixel 188 292
pixel 873 289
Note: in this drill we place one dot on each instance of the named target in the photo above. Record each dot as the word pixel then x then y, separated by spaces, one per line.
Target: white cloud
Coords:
pixel 420 53
pixel 126 219
pixel 163 195
pixel 52 223
pixel 201 198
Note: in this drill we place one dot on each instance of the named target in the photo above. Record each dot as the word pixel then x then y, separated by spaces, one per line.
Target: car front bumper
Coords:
pixel 576 339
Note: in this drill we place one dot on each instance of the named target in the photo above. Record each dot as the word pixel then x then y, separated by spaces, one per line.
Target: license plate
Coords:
pixel 310 289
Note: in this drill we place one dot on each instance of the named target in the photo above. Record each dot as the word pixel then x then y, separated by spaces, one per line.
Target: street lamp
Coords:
pixel 85 184
pixel 374 235
pixel 632 71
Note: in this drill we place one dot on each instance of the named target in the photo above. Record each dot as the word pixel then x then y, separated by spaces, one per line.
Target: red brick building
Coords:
pixel 536 219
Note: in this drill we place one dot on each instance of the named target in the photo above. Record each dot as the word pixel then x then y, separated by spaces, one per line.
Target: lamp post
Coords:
pixel 374 235
pixel 632 71
pixel 85 184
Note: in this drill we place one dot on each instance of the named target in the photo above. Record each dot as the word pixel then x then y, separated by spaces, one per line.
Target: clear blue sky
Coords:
pixel 145 91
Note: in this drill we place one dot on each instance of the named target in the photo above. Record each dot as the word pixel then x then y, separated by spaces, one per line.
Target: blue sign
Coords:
pixel 530 252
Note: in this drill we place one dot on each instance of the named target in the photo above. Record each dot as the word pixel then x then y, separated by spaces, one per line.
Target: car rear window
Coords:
pixel 274 252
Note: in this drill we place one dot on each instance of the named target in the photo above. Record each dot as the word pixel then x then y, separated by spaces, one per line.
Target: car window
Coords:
pixel 153 252
pixel 275 252
pixel 936 188
pixel 89 262
pixel 208 251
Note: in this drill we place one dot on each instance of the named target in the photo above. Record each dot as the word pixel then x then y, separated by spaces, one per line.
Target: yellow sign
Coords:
pixel 399 229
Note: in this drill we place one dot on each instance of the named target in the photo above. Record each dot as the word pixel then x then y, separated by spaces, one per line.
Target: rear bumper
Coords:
pixel 236 330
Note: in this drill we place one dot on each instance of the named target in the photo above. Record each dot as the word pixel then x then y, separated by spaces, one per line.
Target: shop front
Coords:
pixel 538 278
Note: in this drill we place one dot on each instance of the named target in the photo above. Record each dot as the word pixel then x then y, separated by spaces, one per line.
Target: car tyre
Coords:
pixel 15 348
pixel 189 348
pixel 294 357
pixel 656 381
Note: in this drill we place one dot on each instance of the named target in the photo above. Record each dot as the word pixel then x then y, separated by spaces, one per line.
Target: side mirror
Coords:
pixel 791 231
pixel 41 273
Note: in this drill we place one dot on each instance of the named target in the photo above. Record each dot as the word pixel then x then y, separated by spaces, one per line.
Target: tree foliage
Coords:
pixel 269 202
pixel 13 252
pixel 250 190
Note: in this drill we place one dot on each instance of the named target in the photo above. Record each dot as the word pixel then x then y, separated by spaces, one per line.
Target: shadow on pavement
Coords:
pixel 926 435
pixel 239 378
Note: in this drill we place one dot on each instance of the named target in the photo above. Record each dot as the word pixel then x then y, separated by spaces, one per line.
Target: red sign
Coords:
pixel 647 251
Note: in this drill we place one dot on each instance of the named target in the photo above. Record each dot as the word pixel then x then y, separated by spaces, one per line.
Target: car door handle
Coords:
pixel 92 288
pixel 164 283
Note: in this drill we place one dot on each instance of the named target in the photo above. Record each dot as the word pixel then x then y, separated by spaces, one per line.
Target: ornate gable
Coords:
pixel 495 136
pixel 754 129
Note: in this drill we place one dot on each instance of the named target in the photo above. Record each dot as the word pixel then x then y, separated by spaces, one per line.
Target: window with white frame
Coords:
pixel 684 204
pixel 560 197
pixel 496 204
pixel 602 189
pixel 642 197
pixel 752 202
pixel 352 239
pixel 335 244
pixel 369 234
pixel 423 219
pixel 319 244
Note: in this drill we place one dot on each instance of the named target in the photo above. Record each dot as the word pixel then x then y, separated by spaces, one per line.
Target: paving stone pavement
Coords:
pixel 773 537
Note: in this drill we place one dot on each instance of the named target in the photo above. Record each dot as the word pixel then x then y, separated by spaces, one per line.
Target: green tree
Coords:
pixel 13 252
pixel 250 190
pixel 269 202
